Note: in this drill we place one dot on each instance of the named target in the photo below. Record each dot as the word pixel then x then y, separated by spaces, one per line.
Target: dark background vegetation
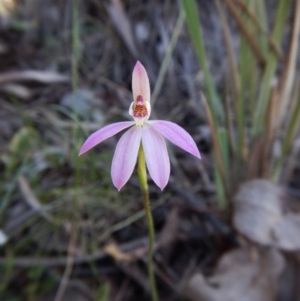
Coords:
pixel 227 227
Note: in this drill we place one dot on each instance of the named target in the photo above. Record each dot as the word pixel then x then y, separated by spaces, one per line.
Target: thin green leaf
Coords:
pixel 248 77
pixel 260 10
pixel 193 21
pixel 272 60
pixel 220 190
pixel 224 146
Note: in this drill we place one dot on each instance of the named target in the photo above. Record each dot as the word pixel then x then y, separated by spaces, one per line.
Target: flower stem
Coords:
pixel 142 173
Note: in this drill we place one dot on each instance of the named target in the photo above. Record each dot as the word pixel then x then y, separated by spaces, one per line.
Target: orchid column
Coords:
pixel 145 140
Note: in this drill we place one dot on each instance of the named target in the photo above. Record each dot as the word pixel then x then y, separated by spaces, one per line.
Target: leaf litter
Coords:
pixel 191 241
pixel 265 213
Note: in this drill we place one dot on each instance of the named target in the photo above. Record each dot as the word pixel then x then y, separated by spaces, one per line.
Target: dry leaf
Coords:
pixel 3 238
pixel 113 250
pixel 241 275
pixel 45 77
pixel 289 288
pixel 16 90
pixel 122 24
pixel 83 102
pixel 262 213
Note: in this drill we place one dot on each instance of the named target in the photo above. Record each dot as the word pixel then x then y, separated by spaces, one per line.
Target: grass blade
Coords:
pixel 257 25
pixel 167 58
pixel 288 75
pixel 216 143
pixel 193 21
pixel 272 60
pixel 246 32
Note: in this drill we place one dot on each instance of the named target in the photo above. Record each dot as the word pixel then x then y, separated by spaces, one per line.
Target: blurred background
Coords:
pixel 227 226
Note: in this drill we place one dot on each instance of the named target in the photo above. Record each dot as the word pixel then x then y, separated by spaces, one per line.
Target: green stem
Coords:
pixel 142 173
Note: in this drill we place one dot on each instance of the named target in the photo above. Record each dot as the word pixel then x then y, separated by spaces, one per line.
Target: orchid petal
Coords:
pixel 156 154
pixel 104 133
pixel 177 135
pixel 125 156
pixel 140 82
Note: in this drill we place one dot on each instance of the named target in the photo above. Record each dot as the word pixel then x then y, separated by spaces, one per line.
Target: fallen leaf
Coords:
pixel 16 90
pixel 83 102
pixel 288 287
pixel 240 275
pixel 3 238
pixel 262 212
pixel 114 251
pixel 122 24
pixel 45 77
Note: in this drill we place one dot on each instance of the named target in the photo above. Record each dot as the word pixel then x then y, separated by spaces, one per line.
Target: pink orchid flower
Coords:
pixel 149 133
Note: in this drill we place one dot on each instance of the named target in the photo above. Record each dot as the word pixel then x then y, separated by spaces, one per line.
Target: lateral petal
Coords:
pixel 177 135
pixel 104 133
pixel 125 156
pixel 156 155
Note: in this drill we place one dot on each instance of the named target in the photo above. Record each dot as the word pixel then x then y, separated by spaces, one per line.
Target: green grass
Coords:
pixel 250 92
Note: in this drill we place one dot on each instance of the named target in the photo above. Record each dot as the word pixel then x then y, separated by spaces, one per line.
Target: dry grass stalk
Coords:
pixel 215 139
pixel 288 77
pixel 257 23
pixel 269 134
pixel 235 80
pixel 246 32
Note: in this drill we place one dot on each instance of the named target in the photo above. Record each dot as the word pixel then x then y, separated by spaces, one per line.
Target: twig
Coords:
pixel 167 58
pixel 69 267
